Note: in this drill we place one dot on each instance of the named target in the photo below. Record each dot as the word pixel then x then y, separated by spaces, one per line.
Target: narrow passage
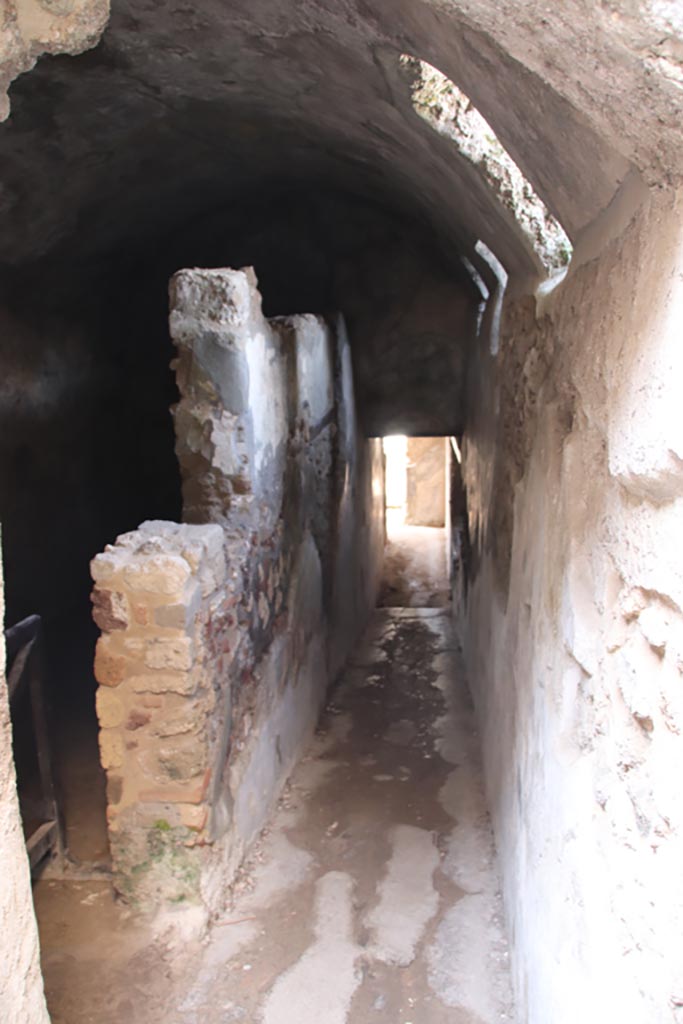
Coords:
pixel 371 897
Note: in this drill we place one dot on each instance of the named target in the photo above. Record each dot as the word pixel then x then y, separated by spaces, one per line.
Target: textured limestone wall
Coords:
pixel 167 620
pixel 426 481
pixel 573 464
pixel 220 636
pixel 29 28
pixel 21 983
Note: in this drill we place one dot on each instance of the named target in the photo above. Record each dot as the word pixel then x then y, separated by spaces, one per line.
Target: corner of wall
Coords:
pixel 22 999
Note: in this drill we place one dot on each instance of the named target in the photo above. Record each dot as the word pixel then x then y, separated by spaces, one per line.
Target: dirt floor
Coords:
pixel 82 786
pixel 372 896
pixel 415 567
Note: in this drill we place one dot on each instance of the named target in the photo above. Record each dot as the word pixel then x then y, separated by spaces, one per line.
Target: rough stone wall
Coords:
pixel 221 635
pixel 21 983
pixel 166 619
pixel 426 481
pixel 29 28
pixel 573 625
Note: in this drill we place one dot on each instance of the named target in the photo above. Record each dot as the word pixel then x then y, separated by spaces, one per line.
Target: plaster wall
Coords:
pixel 221 636
pixel 359 528
pixel 573 625
pixel 21 983
pixel 426 481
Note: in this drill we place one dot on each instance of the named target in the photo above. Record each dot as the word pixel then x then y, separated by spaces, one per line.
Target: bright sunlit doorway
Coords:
pixel 396 456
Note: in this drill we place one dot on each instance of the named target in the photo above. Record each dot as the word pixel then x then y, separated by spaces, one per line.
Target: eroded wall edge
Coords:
pixel 221 635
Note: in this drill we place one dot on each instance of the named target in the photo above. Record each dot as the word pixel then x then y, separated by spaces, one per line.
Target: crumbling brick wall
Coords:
pixel 221 635
pixel 167 618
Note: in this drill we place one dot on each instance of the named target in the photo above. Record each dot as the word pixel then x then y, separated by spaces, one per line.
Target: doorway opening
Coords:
pixel 396 479
pixel 417 499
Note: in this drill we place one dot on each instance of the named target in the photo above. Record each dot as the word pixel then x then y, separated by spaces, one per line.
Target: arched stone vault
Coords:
pixel 175 102
pixel 235 83
pixel 182 113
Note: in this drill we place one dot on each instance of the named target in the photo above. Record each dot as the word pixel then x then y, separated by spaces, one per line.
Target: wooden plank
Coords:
pixel 17 675
pixel 24 658
pixel 40 728
pixel 18 636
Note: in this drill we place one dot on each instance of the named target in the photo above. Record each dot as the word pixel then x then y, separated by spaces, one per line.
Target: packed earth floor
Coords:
pixel 372 896
pixel 415 572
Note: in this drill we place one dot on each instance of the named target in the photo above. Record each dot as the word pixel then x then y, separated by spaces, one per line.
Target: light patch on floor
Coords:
pixel 462 794
pixel 281 868
pixel 320 985
pixel 408 899
pixel 466 958
pixel 469 861
pixel 402 733
pixel 350 907
pixel 228 939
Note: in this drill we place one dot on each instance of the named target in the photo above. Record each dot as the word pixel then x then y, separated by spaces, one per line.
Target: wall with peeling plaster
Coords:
pixel 574 478
pixel 221 636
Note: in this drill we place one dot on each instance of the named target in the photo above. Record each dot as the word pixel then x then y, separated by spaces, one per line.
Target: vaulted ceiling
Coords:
pixel 189 114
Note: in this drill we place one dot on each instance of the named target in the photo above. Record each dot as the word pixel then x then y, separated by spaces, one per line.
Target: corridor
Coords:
pixel 247 250
pixel 371 896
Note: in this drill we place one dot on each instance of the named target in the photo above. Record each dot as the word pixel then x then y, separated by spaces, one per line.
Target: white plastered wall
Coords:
pixel 21 983
pixel 574 628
